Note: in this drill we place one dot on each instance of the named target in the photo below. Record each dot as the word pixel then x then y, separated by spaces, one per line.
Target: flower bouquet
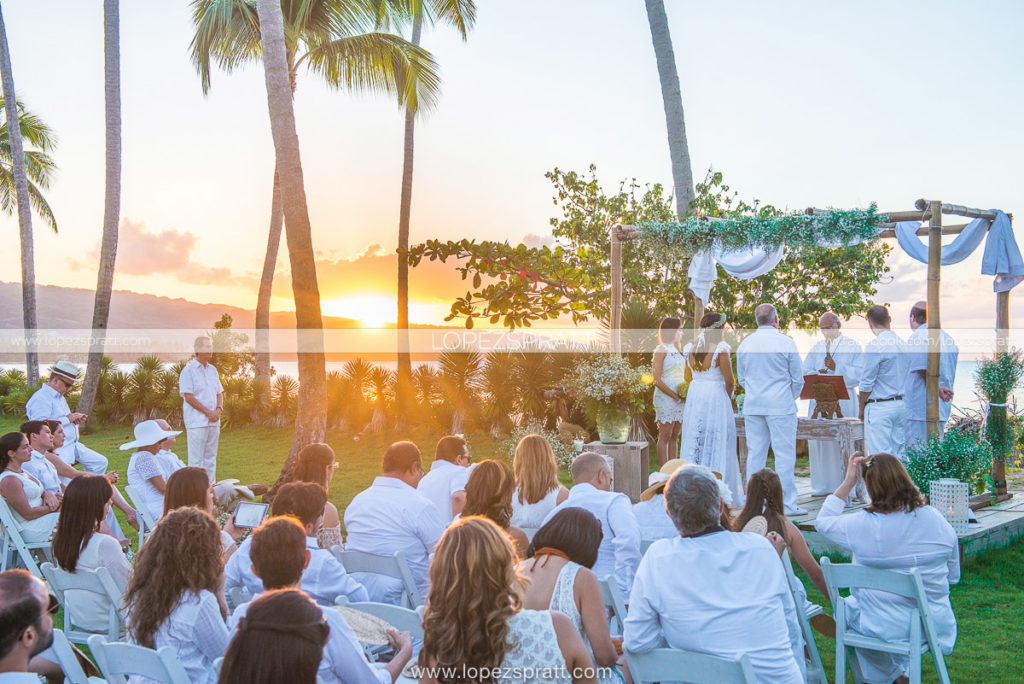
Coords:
pixel 682 388
pixel 609 389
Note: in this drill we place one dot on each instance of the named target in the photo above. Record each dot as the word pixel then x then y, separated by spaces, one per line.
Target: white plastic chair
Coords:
pixel 68 662
pixel 673 664
pixel 14 544
pixel 402 619
pixel 613 599
pixel 116 660
pixel 96 581
pixel 390 566
pixel 805 611
pixel 921 630
pixel 147 523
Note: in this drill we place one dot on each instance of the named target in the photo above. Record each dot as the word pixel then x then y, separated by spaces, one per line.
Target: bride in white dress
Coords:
pixel 709 425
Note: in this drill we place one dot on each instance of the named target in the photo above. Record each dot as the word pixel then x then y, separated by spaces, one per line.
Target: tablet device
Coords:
pixel 250 513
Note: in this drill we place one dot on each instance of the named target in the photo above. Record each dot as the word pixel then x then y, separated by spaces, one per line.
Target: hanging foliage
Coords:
pixel 997 378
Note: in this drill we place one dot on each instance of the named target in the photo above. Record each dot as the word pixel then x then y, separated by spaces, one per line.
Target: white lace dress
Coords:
pixel 534 650
pixel 673 372
pixel 38 529
pixel 529 516
pixel 709 428
pixel 563 600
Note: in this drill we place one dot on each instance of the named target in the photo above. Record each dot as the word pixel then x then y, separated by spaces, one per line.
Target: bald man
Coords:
pixel 619 552
pixel 915 394
pixel 836 354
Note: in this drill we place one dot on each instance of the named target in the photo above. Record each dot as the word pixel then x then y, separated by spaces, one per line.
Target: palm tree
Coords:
pixel 112 198
pixel 679 151
pixel 461 14
pixel 331 39
pixel 25 198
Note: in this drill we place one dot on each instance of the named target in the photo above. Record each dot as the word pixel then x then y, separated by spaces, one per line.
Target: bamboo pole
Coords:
pixel 616 277
pixel 934 321
pixel 955 209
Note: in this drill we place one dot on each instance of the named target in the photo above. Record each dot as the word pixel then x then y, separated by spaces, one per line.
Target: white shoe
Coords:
pixel 795 510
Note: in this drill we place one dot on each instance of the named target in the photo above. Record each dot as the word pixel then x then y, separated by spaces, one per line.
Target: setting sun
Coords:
pixel 377 311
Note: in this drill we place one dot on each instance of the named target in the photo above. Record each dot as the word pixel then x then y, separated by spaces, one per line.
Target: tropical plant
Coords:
pixel 461 382
pixel 426 383
pixel 500 391
pixel 382 389
pixel 285 395
pixel 231 355
pixel 959 455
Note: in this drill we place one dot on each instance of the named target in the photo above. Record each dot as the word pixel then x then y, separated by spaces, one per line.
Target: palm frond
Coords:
pixel 460 14
pixel 36 198
pixel 226 32
pixel 34 130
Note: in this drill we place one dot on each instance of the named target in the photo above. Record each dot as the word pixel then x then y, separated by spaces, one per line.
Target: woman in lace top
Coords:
pixel 316 464
pixel 537 488
pixel 474 616
pixel 669 365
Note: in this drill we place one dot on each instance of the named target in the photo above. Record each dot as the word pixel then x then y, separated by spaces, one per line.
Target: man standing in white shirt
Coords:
pixel 883 374
pixel 392 516
pixel 48 403
pixel 619 552
pixel 199 385
pixel 445 484
pixel 915 393
pixel 837 354
pixel 769 369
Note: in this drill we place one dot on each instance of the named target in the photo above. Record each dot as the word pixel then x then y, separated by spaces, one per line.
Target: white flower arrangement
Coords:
pixel 606 380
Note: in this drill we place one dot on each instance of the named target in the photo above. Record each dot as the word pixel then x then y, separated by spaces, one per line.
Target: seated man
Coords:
pixel 324 578
pixel 41 441
pixel 619 552
pixel 445 484
pixel 279 556
pixel 392 516
pixel 714 591
pixel 26 626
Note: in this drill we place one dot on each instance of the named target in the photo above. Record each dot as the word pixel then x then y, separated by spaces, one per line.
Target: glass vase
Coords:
pixel 613 425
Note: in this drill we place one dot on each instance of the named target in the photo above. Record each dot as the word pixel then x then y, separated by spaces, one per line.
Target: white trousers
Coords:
pixel 76 452
pixel 202 448
pixel 885 428
pixel 779 432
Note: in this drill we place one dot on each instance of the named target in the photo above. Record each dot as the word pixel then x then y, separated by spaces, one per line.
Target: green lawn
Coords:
pixel 986 601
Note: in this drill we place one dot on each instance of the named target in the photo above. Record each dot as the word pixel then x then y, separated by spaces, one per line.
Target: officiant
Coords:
pixel 835 354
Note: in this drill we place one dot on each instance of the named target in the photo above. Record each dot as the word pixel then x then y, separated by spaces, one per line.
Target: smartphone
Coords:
pixel 250 513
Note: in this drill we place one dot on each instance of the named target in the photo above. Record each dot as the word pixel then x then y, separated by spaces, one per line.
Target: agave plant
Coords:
pixel 238 401
pixel 10 380
pixel 285 392
pixel 382 388
pixel 500 389
pixel 426 384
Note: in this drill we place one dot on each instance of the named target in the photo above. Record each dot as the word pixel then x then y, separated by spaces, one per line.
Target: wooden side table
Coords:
pixel 630 465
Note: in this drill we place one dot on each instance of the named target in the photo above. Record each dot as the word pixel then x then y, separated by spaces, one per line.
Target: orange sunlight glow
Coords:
pixel 378 310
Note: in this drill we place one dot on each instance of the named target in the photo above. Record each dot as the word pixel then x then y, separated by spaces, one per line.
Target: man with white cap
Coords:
pixel 203 395
pixel 147 470
pixel 48 403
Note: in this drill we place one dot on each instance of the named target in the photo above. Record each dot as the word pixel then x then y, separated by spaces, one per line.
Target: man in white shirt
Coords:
pixel 735 601
pixel 836 354
pixel 883 375
pixel 48 403
pixel 279 557
pixel 203 395
pixel 324 578
pixel 914 389
pixel 26 615
pixel 769 369
pixel 147 473
pixel 619 553
pixel 40 440
pixel 445 484
pixel 390 515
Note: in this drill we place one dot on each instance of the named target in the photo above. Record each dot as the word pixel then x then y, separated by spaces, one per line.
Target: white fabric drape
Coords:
pixel 744 264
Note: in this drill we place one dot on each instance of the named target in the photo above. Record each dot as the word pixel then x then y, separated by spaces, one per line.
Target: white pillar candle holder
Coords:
pixel 952 498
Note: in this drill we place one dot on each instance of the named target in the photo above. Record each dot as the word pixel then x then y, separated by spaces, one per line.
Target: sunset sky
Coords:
pixel 798 103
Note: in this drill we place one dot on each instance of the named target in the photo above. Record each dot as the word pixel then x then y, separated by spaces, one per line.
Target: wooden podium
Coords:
pixel 849 433
pixel 630 466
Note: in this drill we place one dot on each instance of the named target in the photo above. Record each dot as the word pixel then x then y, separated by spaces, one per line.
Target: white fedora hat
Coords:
pixel 148 433
pixel 65 369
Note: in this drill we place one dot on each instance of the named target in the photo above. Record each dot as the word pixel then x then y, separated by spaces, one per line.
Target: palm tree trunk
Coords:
pixel 28 273
pixel 266 285
pixel 311 414
pixel 404 356
pixel 112 200
pixel 682 176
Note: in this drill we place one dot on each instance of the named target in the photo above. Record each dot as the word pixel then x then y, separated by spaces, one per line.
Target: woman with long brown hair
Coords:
pixel 190 486
pixel 474 622
pixel 316 464
pixel 174 592
pixel 489 493
pixel 538 490
pixel 34 508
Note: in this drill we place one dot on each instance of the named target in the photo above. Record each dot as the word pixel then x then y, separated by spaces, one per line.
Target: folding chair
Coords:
pixel 673 664
pixel 96 581
pixel 613 600
pixel 15 547
pixel 402 619
pixel 908 585
pixel 389 566
pixel 236 596
pixel 68 662
pixel 146 522
pixel 116 660
pixel 805 611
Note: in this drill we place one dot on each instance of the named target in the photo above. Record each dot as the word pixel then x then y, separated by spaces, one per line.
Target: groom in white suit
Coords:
pixel 769 369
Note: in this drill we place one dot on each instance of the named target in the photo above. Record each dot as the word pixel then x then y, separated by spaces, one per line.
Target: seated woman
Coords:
pixel 316 464
pixel 34 509
pixel 173 597
pixel 489 493
pixel 558 566
pixel 537 488
pixel 896 532
pixel 281 639
pixel 79 545
pixel 764 498
pixel 150 466
pixel 475 616
pixel 191 486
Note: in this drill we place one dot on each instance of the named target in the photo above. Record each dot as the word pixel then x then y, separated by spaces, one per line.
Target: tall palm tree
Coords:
pixel 671 95
pixel 311 413
pixel 111 201
pixel 461 14
pixel 24 199
pixel 332 39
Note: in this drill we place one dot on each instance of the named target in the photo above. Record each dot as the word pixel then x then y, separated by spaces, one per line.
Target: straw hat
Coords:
pixel 148 433
pixel 661 477
pixel 757 525
pixel 65 369
pixel 369 629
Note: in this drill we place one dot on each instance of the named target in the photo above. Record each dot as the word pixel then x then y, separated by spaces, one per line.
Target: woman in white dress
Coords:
pixel 537 488
pixel 669 370
pixel 709 427
pixel 475 623
pixel 33 508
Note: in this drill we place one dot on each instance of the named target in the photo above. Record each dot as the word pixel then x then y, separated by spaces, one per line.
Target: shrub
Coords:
pixel 960 455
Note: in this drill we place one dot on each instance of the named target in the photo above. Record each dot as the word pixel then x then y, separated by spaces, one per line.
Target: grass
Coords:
pixel 986 602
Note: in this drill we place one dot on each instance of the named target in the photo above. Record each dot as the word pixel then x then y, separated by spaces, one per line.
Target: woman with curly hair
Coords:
pixel 474 624
pixel 538 490
pixel 174 592
pixel 489 493
pixel 316 464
